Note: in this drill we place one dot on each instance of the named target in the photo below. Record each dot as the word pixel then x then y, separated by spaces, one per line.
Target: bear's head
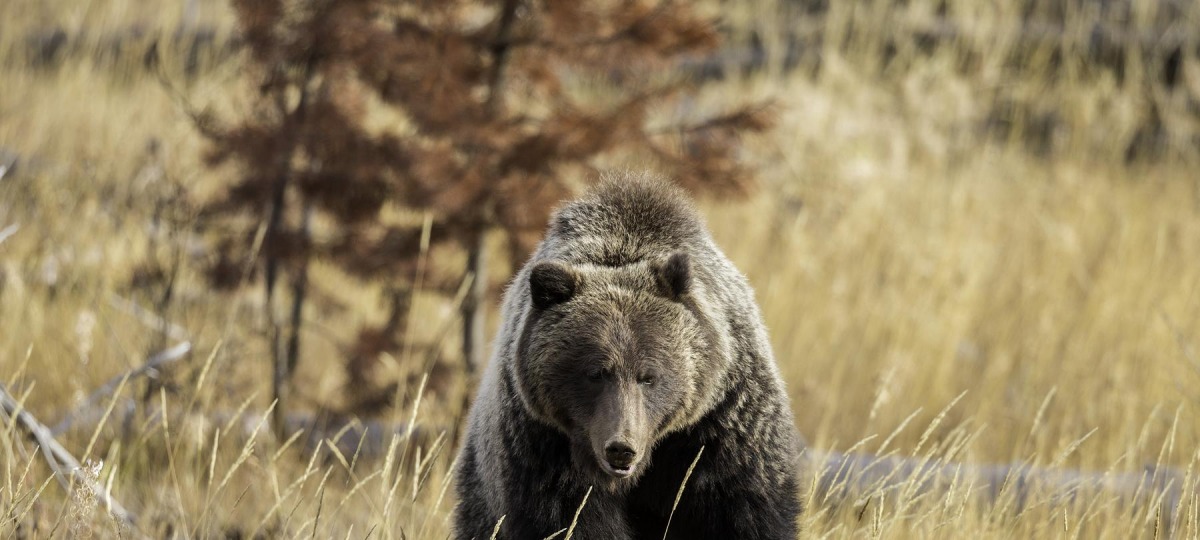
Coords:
pixel 616 358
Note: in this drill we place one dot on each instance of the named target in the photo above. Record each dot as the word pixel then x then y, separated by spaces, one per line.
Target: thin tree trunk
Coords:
pixel 282 358
pixel 278 360
pixel 299 290
pixel 500 50
pixel 287 366
pixel 399 302
pixel 473 304
pixel 271 270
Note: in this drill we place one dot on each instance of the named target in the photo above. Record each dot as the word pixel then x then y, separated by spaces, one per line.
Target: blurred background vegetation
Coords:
pixel 973 230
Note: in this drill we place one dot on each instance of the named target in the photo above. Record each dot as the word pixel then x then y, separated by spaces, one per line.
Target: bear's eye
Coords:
pixel 647 380
pixel 596 375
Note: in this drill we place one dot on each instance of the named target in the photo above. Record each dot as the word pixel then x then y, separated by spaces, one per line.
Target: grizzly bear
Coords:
pixel 630 348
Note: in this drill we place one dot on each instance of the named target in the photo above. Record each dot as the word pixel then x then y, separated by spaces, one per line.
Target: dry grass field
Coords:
pixel 935 288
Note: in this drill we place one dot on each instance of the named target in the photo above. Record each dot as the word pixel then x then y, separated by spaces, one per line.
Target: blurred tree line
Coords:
pixel 383 131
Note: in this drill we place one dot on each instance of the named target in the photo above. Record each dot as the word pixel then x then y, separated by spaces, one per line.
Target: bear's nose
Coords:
pixel 619 455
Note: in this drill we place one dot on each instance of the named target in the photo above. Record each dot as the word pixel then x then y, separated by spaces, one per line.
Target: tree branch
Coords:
pixel 151 366
pixel 151 320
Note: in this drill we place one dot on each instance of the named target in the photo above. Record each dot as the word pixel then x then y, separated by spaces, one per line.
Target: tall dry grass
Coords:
pixel 932 290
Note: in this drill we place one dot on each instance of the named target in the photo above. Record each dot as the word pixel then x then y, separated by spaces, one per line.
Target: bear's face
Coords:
pixel 610 356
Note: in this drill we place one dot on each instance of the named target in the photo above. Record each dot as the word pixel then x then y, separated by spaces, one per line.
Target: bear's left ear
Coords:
pixel 675 275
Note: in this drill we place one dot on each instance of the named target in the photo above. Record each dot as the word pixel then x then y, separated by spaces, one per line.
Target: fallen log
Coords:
pixel 65 467
pixel 839 479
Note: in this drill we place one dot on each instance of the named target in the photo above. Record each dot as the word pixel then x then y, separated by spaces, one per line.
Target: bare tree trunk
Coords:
pixel 278 361
pixel 473 304
pixel 500 50
pixel 285 366
pixel 282 356
pixel 300 290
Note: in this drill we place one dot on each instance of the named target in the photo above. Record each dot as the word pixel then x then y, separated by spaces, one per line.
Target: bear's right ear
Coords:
pixel 551 283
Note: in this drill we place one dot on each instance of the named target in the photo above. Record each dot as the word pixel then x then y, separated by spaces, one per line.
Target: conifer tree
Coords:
pixel 504 108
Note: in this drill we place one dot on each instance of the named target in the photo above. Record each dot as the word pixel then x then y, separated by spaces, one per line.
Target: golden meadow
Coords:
pixel 936 286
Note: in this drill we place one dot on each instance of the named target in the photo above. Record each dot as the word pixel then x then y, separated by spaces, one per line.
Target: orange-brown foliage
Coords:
pixel 493 130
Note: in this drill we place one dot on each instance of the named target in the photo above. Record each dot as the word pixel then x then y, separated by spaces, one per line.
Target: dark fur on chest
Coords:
pixel 715 502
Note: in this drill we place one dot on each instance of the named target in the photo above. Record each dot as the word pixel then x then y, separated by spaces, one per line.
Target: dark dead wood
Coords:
pixel 195 46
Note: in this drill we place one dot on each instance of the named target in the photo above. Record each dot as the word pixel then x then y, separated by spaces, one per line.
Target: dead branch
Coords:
pixel 89 407
pixel 148 318
pixel 8 231
pixel 66 468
